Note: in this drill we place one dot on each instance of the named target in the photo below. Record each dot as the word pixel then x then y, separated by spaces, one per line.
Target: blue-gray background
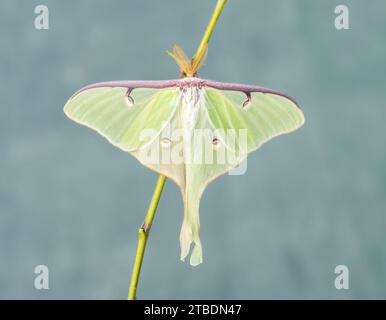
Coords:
pixel 310 201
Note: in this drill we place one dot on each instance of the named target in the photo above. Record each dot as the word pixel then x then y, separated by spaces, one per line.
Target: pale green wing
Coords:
pixel 134 121
pixel 263 116
pixel 208 161
pixel 128 119
pixel 227 117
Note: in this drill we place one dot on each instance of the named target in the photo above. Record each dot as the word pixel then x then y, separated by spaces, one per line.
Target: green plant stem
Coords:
pixel 143 234
pixel 144 231
pixel 211 25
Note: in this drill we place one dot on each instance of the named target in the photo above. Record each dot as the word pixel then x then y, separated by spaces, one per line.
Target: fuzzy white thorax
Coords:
pixel 190 107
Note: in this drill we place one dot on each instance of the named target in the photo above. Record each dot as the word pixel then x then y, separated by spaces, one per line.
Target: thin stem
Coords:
pixel 209 29
pixel 143 234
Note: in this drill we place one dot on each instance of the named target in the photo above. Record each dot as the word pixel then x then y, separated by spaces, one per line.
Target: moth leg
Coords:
pixel 130 99
pixel 247 102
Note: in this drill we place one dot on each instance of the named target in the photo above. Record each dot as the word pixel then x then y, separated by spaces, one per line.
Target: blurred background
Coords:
pixel 309 201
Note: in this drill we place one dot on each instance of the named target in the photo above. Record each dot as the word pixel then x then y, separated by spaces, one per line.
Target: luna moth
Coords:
pixel 142 116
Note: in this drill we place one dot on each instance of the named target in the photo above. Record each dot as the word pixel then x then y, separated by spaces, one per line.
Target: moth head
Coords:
pixel 188 67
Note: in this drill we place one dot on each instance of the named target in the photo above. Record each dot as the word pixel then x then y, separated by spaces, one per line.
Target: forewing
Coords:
pixel 128 118
pixel 262 115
